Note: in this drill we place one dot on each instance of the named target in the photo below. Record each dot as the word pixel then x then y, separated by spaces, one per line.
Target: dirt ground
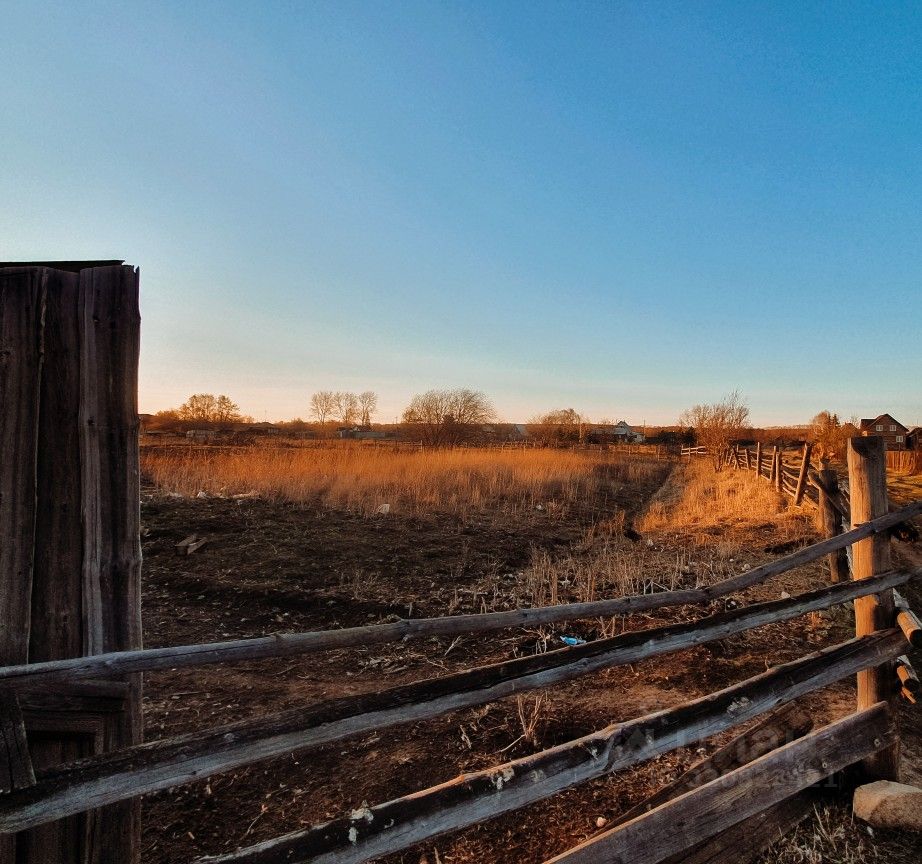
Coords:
pixel 271 567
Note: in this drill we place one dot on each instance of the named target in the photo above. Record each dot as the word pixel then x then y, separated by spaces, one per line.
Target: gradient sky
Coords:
pixel 622 207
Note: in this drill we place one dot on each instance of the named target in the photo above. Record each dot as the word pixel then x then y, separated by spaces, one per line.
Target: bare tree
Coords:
pixel 718 424
pixel 368 404
pixel 208 408
pixel 446 417
pixel 560 425
pixel 323 404
pixel 828 435
pixel 347 407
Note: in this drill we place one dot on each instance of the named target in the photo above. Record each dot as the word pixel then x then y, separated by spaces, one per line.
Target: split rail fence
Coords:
pixel 38 797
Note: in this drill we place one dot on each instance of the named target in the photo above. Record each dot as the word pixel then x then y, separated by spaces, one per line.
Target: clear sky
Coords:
pixel 622 207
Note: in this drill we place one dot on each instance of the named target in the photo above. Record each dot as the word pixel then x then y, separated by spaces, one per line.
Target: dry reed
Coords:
pixel 363 479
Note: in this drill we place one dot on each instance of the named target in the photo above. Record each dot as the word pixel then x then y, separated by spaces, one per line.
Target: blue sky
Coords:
pixel 622 207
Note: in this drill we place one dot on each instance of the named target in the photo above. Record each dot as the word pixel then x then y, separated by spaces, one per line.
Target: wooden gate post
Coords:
pixel 829 521
pixel 758 458
pixel 867 480
pixel 70 552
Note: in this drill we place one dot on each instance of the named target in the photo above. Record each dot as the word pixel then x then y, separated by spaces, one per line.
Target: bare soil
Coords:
pixel 271 566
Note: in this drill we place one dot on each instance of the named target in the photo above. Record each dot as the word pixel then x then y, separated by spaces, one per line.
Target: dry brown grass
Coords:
pixel 698 498
pixel 832 836
pixel 363 479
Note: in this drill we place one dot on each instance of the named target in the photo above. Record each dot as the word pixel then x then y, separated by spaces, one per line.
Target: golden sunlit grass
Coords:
pixel 699 498
pixel 363 479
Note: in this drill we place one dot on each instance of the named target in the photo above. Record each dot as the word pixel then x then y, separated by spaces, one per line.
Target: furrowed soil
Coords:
pixel 271 566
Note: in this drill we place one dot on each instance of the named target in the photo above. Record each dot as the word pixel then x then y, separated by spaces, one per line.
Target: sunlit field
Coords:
pixel 366 479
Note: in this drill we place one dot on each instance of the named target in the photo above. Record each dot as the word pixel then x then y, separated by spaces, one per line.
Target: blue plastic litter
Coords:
pixel 572 640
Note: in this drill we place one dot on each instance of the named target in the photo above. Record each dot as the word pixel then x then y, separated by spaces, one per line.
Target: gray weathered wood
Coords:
pixel 50 674
pixel 829 518
pixel 724 802
pixel 759 458
pixel 778 728
pixel 22 304
pixel 867 483
pixel 146 768
pixel 402 822
pixel 15 762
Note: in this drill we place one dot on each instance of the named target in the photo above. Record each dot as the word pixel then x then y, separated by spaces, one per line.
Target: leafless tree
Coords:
pixel 323 404
pixel 560 425
pixel 347 407
pixel 446 417
pixel 718 424
pixel 368 404
pixel 208 408
pixel 828 435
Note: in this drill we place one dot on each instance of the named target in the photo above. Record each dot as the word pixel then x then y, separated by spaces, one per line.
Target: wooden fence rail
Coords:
pixel 470 798
pixel 185 759
pixel 33 675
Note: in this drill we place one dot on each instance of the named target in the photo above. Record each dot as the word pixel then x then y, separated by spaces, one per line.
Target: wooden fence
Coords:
pixel 905 461
pixel 73 426
pixel 111 777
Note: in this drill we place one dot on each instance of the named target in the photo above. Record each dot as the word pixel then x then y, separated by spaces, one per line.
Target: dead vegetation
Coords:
pixel 367 479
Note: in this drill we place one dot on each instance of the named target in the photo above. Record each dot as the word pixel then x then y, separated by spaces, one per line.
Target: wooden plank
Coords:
pixel 22 309
pixel 57 625
pixel 778 728
pixel 108 423
pixel 867 483
pixel 15 763
pixel 759 458
pixel 725 802
pixel 829 518
pixel 146 768
pixel 281 645
pixel 745 841
pixel 469 798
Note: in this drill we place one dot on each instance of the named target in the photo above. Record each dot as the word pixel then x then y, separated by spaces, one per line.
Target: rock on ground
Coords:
pixel 885 804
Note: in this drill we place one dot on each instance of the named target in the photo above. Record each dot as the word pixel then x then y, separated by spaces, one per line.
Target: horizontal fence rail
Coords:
pixel 185 759
pixel 729 800
pixel 470 798
pixel 33 675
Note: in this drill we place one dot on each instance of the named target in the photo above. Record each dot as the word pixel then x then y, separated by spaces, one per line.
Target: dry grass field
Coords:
pixel 467 531
pixel 363 478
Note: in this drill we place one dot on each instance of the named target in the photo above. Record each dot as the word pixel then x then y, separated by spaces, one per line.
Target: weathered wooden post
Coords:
pixel 867 480
pixel 69 532
pixel 802 476
pixel 775 478
pixel 829 521
pixel 759 458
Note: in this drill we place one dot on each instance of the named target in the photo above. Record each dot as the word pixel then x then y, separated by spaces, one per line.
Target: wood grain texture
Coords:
pixel 778 728
pixel 867 484
pixel 726 801
pixel 829 518
pixel 470 798
pixel 22 309
pixel 15 762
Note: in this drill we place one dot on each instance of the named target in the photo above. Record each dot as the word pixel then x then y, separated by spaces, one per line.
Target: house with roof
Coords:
pixel 891 430
pixel 914 439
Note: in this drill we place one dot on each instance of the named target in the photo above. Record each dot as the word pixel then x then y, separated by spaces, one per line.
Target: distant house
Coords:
pixel 892 431
pixel 620 432
pixel 914 439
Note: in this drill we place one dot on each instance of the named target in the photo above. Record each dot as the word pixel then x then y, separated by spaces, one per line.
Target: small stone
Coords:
pixel 885 804
pixel 600 822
